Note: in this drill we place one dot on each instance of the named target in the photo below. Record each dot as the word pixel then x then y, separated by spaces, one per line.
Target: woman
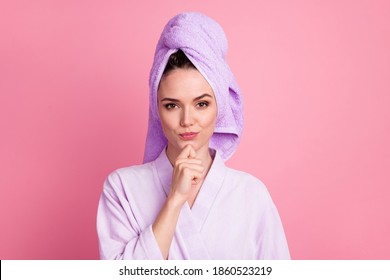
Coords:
pixel 183 202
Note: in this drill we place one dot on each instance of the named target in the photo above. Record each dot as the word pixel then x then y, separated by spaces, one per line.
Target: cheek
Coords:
pixel 167 120
pixel 163 119
pixel 209 119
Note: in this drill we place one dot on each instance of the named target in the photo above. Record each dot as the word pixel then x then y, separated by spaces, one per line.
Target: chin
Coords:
pixel 194 145
pixel 181 144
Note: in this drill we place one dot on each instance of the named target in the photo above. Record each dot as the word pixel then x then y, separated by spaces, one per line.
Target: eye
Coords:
pixel 170 105
pixel 203 104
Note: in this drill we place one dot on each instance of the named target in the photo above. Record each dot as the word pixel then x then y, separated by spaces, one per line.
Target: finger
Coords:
pixel 187 167
pixel 187 160
pixel 192 151
pixel 193 175
pixel 187 152
pixel 196 179
pixel 184 153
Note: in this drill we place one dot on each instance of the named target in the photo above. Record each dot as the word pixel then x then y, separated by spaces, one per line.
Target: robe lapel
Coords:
pixel 188 240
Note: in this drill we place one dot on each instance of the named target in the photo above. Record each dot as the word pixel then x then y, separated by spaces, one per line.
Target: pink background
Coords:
pixel 73 107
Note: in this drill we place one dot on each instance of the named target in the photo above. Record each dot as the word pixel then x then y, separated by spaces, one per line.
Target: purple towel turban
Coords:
pixel 204 42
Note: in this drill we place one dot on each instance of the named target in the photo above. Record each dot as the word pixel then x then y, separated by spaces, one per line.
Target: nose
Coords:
pixel 187 118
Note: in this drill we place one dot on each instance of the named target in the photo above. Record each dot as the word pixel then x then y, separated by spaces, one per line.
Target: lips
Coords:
pixel 188 135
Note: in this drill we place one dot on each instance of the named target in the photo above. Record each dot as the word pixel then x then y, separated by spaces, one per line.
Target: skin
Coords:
pixel 186 103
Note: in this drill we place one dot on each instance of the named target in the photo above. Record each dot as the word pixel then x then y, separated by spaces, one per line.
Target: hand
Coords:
pixel 187 172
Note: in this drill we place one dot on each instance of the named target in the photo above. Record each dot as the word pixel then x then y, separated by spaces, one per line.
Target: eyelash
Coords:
pixel 206 104
pixel 202 104
pixel 169 106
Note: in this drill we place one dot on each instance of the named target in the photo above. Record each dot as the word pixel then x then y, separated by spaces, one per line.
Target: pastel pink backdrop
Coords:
pixel 73 107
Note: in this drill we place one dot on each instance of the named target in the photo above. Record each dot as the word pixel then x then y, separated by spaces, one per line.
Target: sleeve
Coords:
pixel 272 244
pixel 118 233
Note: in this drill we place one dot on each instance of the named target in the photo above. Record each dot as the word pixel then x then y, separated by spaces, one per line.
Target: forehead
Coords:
pixel 182 83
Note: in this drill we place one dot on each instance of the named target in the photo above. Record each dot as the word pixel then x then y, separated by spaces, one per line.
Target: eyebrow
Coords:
pixel 195 99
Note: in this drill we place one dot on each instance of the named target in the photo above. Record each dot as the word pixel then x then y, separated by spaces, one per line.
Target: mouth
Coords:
pixel 188 135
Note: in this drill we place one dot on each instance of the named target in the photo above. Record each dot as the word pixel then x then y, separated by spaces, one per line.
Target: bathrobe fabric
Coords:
pixel 233 216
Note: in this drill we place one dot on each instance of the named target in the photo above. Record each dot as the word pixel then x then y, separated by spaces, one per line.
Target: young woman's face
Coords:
pixel 187 108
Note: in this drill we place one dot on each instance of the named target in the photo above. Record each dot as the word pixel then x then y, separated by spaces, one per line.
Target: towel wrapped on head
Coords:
pixel 204 42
